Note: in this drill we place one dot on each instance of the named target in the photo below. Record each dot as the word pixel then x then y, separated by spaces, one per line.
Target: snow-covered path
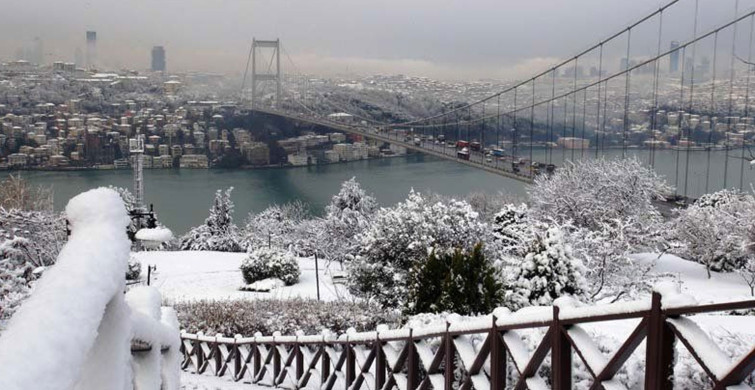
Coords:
pixel 194 275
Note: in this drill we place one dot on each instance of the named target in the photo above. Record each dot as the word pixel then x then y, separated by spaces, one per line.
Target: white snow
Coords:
pixel 264 285
pixel 158 234
pixel 73 324
pixel 194 275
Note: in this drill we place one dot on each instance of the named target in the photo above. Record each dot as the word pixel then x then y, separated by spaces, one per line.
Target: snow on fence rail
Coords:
pixel 78 330
pixel 478 355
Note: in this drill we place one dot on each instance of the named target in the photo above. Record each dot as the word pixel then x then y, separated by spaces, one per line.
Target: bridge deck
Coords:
pixel 477 160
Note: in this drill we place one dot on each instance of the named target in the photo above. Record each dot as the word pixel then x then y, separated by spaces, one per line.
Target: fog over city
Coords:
pixel 450 39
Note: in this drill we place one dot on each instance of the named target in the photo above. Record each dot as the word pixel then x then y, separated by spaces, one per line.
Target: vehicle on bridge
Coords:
pixel 463 154
pixel 498 152
pixel 475 146
pixel 417 141
pixel 462 144
pixel 441 138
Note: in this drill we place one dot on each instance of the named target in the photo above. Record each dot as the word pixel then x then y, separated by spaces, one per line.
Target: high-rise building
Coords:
pixel 91 49
pixel 158 59
pixel 674 57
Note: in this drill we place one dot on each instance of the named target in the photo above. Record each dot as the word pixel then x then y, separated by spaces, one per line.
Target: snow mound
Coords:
pixel 264 285
pixel 159 234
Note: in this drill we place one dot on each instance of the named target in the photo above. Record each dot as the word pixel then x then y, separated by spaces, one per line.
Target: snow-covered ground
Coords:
pixel 193 275
pixel 204 382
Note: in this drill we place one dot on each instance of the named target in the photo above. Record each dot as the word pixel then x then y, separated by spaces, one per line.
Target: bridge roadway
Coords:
pixel 476 159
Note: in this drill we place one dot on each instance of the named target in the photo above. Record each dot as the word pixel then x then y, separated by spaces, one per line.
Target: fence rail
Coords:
pixel 477 355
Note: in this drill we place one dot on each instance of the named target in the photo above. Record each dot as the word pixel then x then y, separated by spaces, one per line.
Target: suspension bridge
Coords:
pixel 678 98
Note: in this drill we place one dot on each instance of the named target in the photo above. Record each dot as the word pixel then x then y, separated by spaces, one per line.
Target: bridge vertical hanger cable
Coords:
pixel 654 114
pixel 515 140
pixel 563 129
pixel 597 115
pixel 498 129
pixel 679 111
pixel 584 124
pixel 482 135
pixel 712 110
pixel 747 103
pixel 626 99
pixel 731 95
pixel 691 96
pixel 574 107
pixel 551 119
pixel 532 124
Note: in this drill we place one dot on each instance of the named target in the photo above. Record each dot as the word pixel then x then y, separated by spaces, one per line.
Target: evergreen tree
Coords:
pixel 458 282
pixel 348 214
pixel 218 233
pixel 547 272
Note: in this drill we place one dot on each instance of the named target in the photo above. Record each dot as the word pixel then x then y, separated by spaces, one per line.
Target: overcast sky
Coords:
pixel 453 39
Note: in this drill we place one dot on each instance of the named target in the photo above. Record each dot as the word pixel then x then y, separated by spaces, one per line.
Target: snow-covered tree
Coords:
pixel 17 193
pixel 590 192
pixel 348 215
pixel 547 271
pixel 513 229
pixel 274 226
pixel 218 233
pixel 605 249
pixel 458 282
pixel 402 237
pixel 713 230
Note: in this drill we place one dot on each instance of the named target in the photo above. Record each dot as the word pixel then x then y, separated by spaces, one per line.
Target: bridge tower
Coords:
pixel 266 74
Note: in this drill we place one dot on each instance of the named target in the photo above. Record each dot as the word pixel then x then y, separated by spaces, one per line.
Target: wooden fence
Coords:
pixel 477 355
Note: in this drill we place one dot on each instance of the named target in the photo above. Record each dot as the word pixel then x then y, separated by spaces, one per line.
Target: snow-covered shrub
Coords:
pixel 264 263
pixel 134 268
pixel 713 230
pixel 15 275
pixel 218 233
pixel 17 193
pixel 589 192
pixel 274 226
pixel 45 233
pixel 401 238
pixel 458 282
pixel 547 271
pixel 246 317
pixel 348 215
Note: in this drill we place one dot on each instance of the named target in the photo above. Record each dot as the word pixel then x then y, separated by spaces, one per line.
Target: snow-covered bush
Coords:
pixel 547 271
pixel 218 233
pixel 246 317
pixel 348 215
pixel 590 192
pixel 45 233
pixel 264 263
pixel 713 230
pixel 402 237
pixel 17 193
pixel 274 226
pixel 15 276
pixel 458 282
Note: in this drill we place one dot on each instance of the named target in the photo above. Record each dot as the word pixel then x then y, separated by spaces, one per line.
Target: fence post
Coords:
pixel 561 355
pixel 412 365
pixel 350 363
pixel 325 363
pixel 299 361
pixel 449 354
pixel 497 359
pixel 236 358
pixel 257 356
pixel 379 363
pixel 199 351
pixel 276 362
pixel 659 354
pixel 218 359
